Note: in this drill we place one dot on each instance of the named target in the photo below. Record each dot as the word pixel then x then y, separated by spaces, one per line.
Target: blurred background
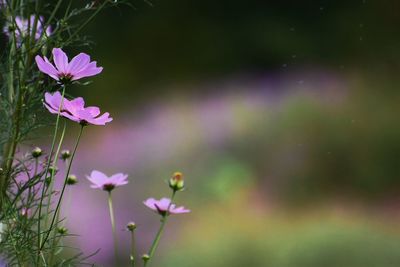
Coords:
pixel 282 115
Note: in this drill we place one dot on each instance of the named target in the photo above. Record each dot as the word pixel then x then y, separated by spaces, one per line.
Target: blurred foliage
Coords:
pixel 182 41
pixel 238 235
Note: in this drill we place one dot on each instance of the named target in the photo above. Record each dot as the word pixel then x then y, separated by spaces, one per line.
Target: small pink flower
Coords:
pixel 102 181
pixel 64 71
pixel 161 206
pixel 75 110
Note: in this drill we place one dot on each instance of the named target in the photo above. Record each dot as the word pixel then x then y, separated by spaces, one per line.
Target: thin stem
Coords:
pixel 44 260
pixel 63 189
pixel 132 256
pixel 47 170
pixel 53 173
pixel 86 22
pixel 112 218
pixel 160 231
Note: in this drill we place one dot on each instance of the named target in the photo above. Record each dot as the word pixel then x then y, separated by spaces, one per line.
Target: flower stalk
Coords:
pixel 63 189
pixel 47 170
pixel 112 219
pixel 157 238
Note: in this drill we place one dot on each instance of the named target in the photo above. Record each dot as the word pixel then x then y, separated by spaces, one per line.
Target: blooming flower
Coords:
pixel 24 27
pixel 75 110
pixel 161 206
pixel 101 181
pixel 64 71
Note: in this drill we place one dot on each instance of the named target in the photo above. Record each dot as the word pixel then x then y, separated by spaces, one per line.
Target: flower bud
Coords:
pixel 65 154
pixel 53 170
pixel 72 179
pixel 131 226
pixel 62 230
pixel 36 152
pixel 25 212
pixel 145 257
pixel 176 182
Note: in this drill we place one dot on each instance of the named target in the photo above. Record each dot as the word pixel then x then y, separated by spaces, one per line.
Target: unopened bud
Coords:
pixel 145 257
pixel 72 179
pixel 53 170
pixel 36 152
pixel 62 230
pixel 131 226
pixel 25 212
pixel 65 154
pixel 176 182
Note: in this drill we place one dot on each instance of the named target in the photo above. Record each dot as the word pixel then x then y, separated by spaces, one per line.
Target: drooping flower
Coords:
pixel 161 206
pixel 24 27
pixel 101 181
pixel 75 110
pixel 64 71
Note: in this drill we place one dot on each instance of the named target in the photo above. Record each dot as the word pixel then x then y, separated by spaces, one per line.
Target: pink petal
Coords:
pixel 76 104
pixel 46 67
pixel 90 70
pixel 97 178
pixel 60 59
pixel 94 111
pixel 78 63
pixel 150 203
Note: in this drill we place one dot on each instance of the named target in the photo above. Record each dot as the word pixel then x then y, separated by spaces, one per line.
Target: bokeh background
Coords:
pixel 283 116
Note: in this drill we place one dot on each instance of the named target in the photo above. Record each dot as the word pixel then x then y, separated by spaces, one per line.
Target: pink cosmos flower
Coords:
pixel 64 71
pixel 75 110
pixel 102 181
pixel 161 206
pixel 25 27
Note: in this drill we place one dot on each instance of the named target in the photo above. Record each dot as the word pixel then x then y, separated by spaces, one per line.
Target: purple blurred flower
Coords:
pixel 161 206
pixel 75 110
pixel 101 181
pixel 23 27
pixel 26 212
pixel 64 71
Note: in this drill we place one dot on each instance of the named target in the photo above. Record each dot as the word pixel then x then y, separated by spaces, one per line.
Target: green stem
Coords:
pixel 160 231
pixel 132 256
pixel 53 173
pixel 47 172
pixel 112 218
pixel 63 189
pixel 87 21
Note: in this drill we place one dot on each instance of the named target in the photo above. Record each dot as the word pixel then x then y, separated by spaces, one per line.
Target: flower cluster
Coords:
pixel 65 72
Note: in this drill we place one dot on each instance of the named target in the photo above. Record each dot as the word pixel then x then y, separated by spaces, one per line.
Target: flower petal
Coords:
pixel 60 59
pixel 90 70
pixel 46 67
pixel 78 63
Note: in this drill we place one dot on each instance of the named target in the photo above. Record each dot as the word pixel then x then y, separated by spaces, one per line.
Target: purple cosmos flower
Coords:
pixel 161 206
pixel 64 71
pixel 25 27
pixel 75 110
pixel 102 181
